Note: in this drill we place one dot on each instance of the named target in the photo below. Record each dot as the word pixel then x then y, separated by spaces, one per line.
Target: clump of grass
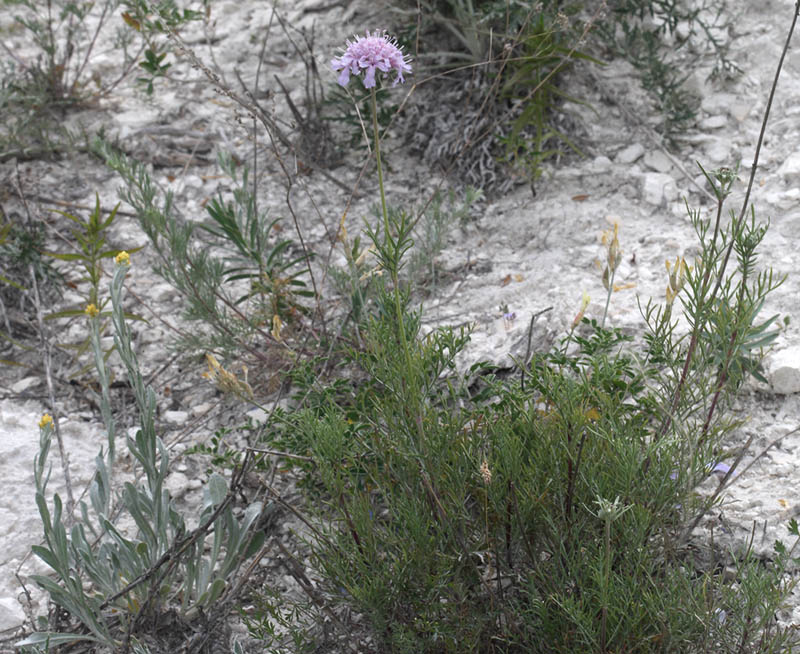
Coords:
pixel 508 61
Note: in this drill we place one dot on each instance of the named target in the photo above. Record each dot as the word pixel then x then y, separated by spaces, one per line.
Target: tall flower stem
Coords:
pixel 608 296
pixel 376 131
pixel 387 234
pixel 742 213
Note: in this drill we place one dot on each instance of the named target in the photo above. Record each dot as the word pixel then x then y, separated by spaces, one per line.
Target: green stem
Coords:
pixel 395 264
pixel 414 406
pixel 608 296
pixel 721 274
pixel 105 406
pixel 606 575
pixel 376 132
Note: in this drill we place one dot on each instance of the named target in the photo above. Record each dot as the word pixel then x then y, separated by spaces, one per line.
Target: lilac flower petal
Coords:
pixel 369 78
pixel 721 468
pixel 375 51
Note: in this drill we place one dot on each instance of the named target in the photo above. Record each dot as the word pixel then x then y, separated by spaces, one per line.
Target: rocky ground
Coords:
pixel 521 254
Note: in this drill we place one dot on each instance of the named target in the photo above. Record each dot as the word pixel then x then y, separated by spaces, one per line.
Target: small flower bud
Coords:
pixel 92 311
pixel 724 175
pixel 123 259
pixel 47 420
pixel 584 305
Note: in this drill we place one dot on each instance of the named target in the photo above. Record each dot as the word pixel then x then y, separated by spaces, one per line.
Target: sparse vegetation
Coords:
pixel 547 508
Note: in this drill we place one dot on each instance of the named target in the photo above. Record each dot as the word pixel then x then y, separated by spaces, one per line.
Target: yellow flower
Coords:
pixel 123 259
pixel 92 311
pixel 592 414
pixel 46 420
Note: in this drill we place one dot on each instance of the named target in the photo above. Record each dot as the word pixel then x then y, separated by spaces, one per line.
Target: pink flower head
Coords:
pixel 376 51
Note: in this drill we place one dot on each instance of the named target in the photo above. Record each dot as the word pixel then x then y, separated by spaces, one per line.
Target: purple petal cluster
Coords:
pixel 371 53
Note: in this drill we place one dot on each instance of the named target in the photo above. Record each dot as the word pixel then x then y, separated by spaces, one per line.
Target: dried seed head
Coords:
pixel 486 474
pixel 676 278
pixel 610 240
pixel 227 381
pixel 277 325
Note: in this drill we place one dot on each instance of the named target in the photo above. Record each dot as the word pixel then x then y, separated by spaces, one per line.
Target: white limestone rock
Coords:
pixel 784 370
pixel 630 154
pixel 658 188
pixel 258 416
pixel 201 409
pixel 714 122
pixel 790 168
pixel 11 614
pixel 658 161
pixel 177 483
pixel 176 417
pixel 25 384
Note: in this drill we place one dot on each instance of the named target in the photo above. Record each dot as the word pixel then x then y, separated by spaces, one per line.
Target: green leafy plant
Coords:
pixel 457 523
pixel 69 36
pixel 89 237
pixel 152 22
pixel 22 246
pixel 266 268
pixel 457 528
pixel 357 281
pixel 21 260
pixel 646 33
pixel 135 576
pixel 247 250
pixel 541 49
pixel 154 65
pixel 62 34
